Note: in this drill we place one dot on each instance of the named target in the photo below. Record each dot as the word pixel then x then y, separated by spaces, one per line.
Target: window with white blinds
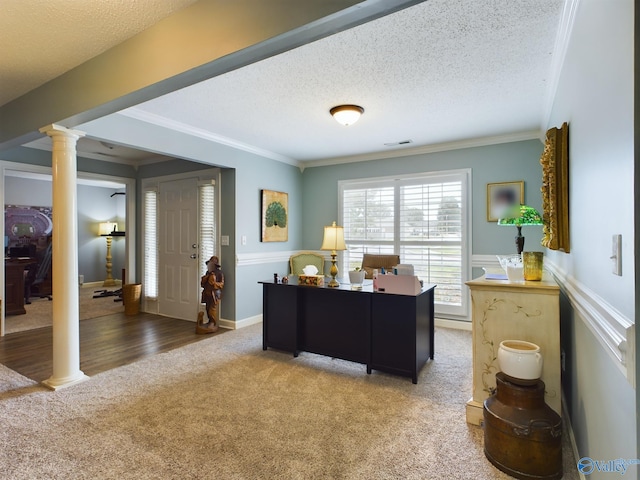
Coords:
pixel 422 218
pixel 151 243
pixel 207 214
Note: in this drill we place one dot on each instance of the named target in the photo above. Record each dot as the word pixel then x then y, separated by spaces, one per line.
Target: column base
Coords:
pixel 58 383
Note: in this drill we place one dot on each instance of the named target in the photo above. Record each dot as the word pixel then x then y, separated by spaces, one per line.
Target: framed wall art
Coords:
pixel 501 196
pixel 275 216
pixel 555 189
pixel 22 222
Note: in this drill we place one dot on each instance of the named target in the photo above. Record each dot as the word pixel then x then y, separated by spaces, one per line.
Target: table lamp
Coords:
pixel 333 240
pixel 521 216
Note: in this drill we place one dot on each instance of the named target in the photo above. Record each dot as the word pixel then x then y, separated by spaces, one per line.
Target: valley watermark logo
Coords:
pixel 587 465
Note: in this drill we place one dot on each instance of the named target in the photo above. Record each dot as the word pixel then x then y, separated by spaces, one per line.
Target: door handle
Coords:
pixel 195 245
pixel 193 255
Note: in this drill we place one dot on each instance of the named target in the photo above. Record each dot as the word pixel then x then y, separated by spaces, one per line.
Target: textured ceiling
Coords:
pixel 41 39
pixel 439 72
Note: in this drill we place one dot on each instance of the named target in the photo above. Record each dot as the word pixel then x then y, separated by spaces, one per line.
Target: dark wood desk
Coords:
pixel 386 332
pixel 14 284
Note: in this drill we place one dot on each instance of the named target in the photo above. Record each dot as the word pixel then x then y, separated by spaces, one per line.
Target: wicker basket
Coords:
pixel 131 298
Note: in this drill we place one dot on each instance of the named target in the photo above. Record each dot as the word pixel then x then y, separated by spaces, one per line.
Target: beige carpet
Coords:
pixel 223 408
pixel 39 312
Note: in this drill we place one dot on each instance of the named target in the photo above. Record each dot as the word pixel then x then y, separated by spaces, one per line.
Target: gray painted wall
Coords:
pixel 32 156
pixel 28 192
pixel 251 179
pixel 495 163
pixel 228 254
pixel 595 95
pixel 95 204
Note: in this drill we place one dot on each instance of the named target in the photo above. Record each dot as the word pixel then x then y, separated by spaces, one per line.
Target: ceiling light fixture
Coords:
pixel 346 114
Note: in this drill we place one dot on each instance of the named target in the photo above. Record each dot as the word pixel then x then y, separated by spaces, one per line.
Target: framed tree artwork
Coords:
pixel 503 196
pixel 275 216
pixel 555 189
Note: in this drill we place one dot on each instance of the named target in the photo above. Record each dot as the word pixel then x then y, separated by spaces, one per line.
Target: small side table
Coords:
pixel 503 310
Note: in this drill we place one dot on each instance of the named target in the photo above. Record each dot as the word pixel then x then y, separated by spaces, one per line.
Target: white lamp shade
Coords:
pixel 333 238
pixel 106 228
pixel 347 114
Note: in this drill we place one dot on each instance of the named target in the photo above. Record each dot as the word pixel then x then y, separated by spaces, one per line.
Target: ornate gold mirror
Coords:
pixel 555 189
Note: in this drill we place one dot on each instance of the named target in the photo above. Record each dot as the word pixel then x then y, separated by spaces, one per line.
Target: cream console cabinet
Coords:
pixel 504 310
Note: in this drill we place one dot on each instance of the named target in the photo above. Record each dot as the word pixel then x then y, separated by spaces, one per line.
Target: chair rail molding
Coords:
pixel 614 331
pixel 263 258
pixel 479 261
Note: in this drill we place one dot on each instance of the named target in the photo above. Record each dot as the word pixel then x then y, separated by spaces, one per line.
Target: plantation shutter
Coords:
pixel 207 221
pixel 151 243
pixel 423 219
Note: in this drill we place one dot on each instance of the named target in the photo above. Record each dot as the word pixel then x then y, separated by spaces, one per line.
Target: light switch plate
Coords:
pixel 616 254
pixel 224 240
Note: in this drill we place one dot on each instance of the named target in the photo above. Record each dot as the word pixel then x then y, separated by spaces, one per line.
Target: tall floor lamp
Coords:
pixel 107 229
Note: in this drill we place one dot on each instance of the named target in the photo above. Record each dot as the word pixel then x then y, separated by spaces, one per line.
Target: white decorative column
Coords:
pixel 64 263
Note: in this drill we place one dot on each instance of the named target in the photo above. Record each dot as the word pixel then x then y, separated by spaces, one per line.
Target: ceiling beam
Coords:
pixel 206 39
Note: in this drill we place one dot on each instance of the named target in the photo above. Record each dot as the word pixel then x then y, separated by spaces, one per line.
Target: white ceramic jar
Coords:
pixel 512 265
pixel 356 278
pixel 520 360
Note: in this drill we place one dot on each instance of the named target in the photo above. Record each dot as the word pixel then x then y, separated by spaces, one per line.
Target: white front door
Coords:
pixel 178 279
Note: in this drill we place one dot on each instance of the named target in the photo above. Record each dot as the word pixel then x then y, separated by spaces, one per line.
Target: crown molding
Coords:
pixel 164 122
pixel 160 121
pixel 434 148
pixel 565 28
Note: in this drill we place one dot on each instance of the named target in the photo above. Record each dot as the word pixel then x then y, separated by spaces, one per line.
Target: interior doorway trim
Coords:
pixel 23 170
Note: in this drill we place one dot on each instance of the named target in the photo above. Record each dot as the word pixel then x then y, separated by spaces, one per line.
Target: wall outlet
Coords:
pixel 80 280
pixel 224 240
pixel 616 254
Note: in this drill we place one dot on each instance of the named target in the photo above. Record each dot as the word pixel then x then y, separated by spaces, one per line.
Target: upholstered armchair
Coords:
pixel 300 260
pixel 371 262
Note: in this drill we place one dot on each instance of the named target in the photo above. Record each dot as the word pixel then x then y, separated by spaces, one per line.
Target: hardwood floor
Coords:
pixel 105 342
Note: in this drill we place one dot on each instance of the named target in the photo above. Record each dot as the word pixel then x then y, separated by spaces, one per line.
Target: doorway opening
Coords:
pixel 180 222
pixel 31 186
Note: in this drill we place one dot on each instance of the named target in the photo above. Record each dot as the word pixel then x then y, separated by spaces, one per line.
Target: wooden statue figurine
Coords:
pixel 212 284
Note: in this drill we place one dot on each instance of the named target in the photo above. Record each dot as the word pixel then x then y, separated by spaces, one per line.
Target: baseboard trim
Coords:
pixel 574 446
pixel 245 322
pixel 455 324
